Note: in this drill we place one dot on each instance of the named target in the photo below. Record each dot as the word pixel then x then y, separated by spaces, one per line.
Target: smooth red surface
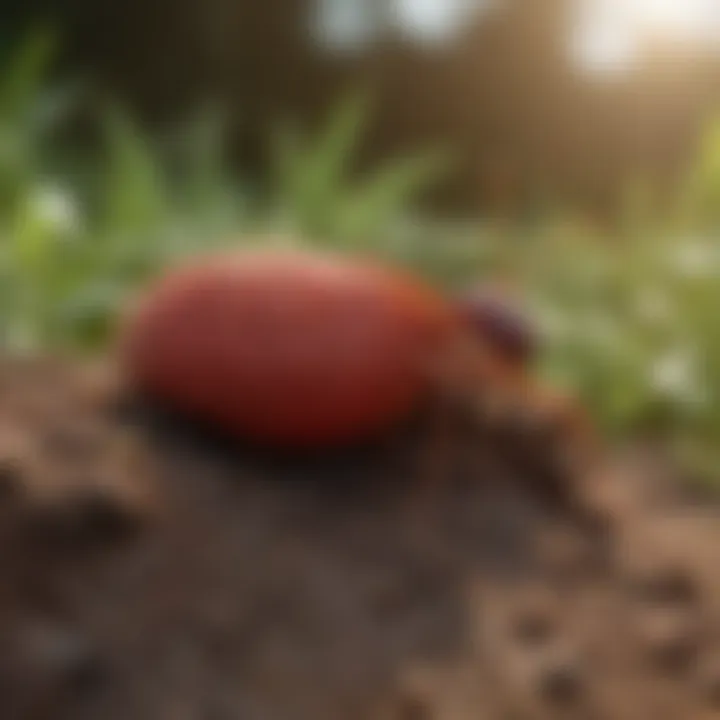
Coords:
pixel 288 348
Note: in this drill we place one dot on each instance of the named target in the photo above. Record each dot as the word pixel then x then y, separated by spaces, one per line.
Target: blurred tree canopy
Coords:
pixel 526 126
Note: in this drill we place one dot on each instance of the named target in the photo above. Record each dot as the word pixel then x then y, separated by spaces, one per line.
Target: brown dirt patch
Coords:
pixel 153 572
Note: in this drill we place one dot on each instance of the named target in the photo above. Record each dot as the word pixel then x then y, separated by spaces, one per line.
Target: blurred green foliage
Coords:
pixel 312 192
pixel 629 317
pixel 78 238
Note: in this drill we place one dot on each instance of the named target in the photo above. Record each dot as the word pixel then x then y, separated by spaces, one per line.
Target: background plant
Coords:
pixel 629 316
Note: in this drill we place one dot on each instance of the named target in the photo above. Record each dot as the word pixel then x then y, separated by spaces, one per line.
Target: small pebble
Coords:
pixel 412 708
pixel 670 587
pixel 708 678
pixel 61 656
pixel 561 683
pixel 11 479
pixel 670 638
pixel 88 513
pixel 534 628
pixel 72 443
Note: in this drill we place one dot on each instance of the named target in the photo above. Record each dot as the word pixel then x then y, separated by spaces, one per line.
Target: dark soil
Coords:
pixel 152 571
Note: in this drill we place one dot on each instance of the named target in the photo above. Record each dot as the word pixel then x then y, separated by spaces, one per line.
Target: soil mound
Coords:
pixel 154 572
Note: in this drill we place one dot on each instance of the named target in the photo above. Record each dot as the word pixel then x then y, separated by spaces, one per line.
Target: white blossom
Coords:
pixel 676 376
pixel 694 258
pixel 56 207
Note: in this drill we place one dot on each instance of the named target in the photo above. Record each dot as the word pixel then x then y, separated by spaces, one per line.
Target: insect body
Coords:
pixel 309 350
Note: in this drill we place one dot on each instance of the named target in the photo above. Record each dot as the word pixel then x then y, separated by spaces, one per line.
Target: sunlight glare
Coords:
pixel 609 33
pixel 435 21
pixel 680 19
pixel 604 47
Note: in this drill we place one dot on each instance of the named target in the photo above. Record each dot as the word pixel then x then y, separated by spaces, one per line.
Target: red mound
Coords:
pixel 287 348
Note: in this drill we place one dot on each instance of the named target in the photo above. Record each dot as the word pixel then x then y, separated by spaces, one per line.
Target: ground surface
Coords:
pixel 152 572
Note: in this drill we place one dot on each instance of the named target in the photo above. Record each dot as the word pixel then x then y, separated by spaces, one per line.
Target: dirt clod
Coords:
pixel 561 683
